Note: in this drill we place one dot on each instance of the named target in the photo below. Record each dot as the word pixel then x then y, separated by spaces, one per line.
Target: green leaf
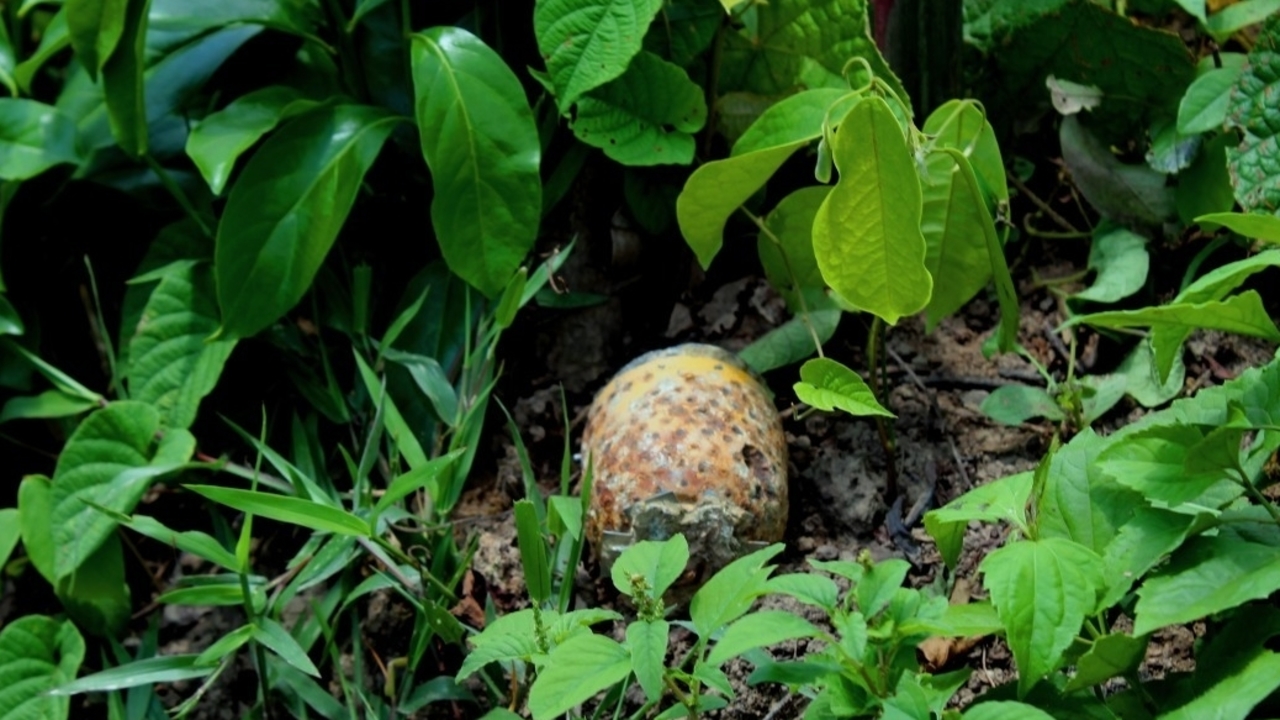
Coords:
pixel 789 263
pixel 195 542
pixel 1233 18
pixel 33 138
pixel 716 189
pixel 955 243
pixel 1250 225
pixel 296 511
pixel 52 41
pixel 1207 575
pixel 1153 461
pixel 60 380
pixel 176 22
pixel 396 426
pixel 1204 105
pixel 1001 500
pixel 1079 501
pixel 1016 404
pixel 225 645
pixel 867 233
pixel 802 43
pixel 879 584
pixel 793 340
pixel 481 145
pixel 1109 656
pixel 273 635
pixel 510 637
pixel 48 404
pixel 223 136
pixel 95 594
pixel 973 618
pixel 660 563
pixel 1243 314
pixel 759 629
pixel 587 43
pixel 1237 694
pixel 10 533
pixel 962 125
pixel 122 78
pixel 645 117
pixel 110 460
pixel 1120 259
pixel 37 654
pixel 422 476
pixel 149 671
pixel 1042 590
pixel 576 670
pixel 1125 193
pixel 1138 546
pixel 35 510
pixel 730 592
pixel 808 588
pixel 1236 669
pixel 1005 710
pixel 533 552
pixel 1205 186
pixel 286 210
pixel 1255 164
pixel 170 364
pixel 827 385
pixel 95 27
pixel 647 641
pixel 431 379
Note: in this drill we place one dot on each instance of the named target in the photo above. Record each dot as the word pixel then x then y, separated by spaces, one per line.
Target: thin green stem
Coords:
pixel 176 191
pixel 791 273
pixel 1257 495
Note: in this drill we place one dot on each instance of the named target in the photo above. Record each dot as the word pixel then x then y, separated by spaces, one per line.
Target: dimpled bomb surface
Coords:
pixel 686 440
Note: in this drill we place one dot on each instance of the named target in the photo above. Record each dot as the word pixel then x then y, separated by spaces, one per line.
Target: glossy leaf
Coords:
pixel 716 189
pixel 647 641
pixel 122 78
pixel 1204 105
pixel 1016 404
pixel 1042 590
pixel 576 671
pixel 170 364
pixel 37 654
pixel 95 27
pixel 221 137
pixel 1250 225
pixel 955 243
pixel 481 145
pixel 175 22
pixel 827 385
pixel 296 511
pixel 587 43
pixel 1207 576
pixel 648 116
pixel 286 210
pixel 866 236
pixel 759 629
pixel 33 138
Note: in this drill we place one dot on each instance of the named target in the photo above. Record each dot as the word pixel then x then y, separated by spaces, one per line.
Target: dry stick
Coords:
pixel 1044 206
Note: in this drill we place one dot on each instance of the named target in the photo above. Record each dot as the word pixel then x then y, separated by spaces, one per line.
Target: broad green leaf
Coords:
pixel 111 459
pixel 286 210
pixel 481 145
pixel 1252 110
pixel 1153 461
pixel 685 29
pixel 510 637
pixel 1142 382
pixel 789 262
pixel 1080 502
pixel 813 589
pixel 533 552
pixel 33 138
pixel 793 340
pixel 1016 404
pixel 801 43
pixel 1205 186
pixel 95 594
pixel 963 125
pixel 35 511
pixel 730 592
pixel 1000 500
pixel 973 618
pixel 1005 710
pixel 1120 259
pixel 1207 575
pixel 223 136
pixel 575 672
pixel 659 563
pixel 273 635
pixel 827 385
pixel 95 27
pixel 648 116
pixel 647 641
pixel 1109 656
pixel 587 43
pixel 879 584
pixel 296 511
pixel 195 542
pixel 10 533
pixel 52 41
pixel 123 88
pixel 1005 338
pixel 37 654
pixel 866 236
pixel 1236 668
pixel 716 189
pixel 1124 193
pixel 1237 694
pixel 759 629
pixel 955 243
pixel 1237 16
pixel 1042 589
pixel 1250 225
pixel 48 404
pixel 1204 105
pixel 149 671
pixel 170 364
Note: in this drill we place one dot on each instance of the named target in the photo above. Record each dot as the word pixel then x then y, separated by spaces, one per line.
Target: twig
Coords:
pixel 1044 206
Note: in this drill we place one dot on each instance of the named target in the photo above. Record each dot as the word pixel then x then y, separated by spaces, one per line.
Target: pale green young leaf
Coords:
pixel 1016 404
pixel 37 654
pixel 1250 225
pixel 273 635
pixel 1120 259
pixel 170 364
pixel 481 146
pixel 648 116
pixel 162 669
pixel 1042 590
pixel 962 125
pixel 587 43
pixel 647 641
pixel 1207 575
pixel 33 138
pixel 972 618
pixel 789 263
pixel 879 584
pixel 222 137
pixel 730 592
pixel 826 385
pixel 1204 105
pixel 292 510
pixel 660 563
pixel 575 672
pixel 955 243
pixel 286 209
pixel 1001 500
pixel 759 629
pixel 867 236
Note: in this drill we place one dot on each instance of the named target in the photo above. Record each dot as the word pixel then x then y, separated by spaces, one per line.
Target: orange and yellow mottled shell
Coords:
pixel 692 427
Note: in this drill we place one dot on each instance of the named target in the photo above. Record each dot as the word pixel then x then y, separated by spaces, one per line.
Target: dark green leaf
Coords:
pixel 1205 186
pixel 481 145
pixel 1124 193
pixel 533 552
pixel 286 210
pixel 219 139
pixel 122 78
pixel 1109 656
pixel 730 592
pixel 95 27
pixel 789 263
pixel 1208 575
pixel 48 404
pixel 1120 259
pixel 10 533
pixel 33 138
pixel 792 341
pixel 54 38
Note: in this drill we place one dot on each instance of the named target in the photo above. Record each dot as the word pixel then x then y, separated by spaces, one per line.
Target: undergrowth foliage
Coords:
pixel 313 221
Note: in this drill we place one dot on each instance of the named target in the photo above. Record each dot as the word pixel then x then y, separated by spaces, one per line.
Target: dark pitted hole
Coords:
pixel 757 462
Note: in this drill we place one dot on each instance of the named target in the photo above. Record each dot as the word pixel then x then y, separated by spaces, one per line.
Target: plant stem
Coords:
pixel 1053 215
pixel 791 273
pixel 875 344
pixel 176 191
pixel 1257 495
